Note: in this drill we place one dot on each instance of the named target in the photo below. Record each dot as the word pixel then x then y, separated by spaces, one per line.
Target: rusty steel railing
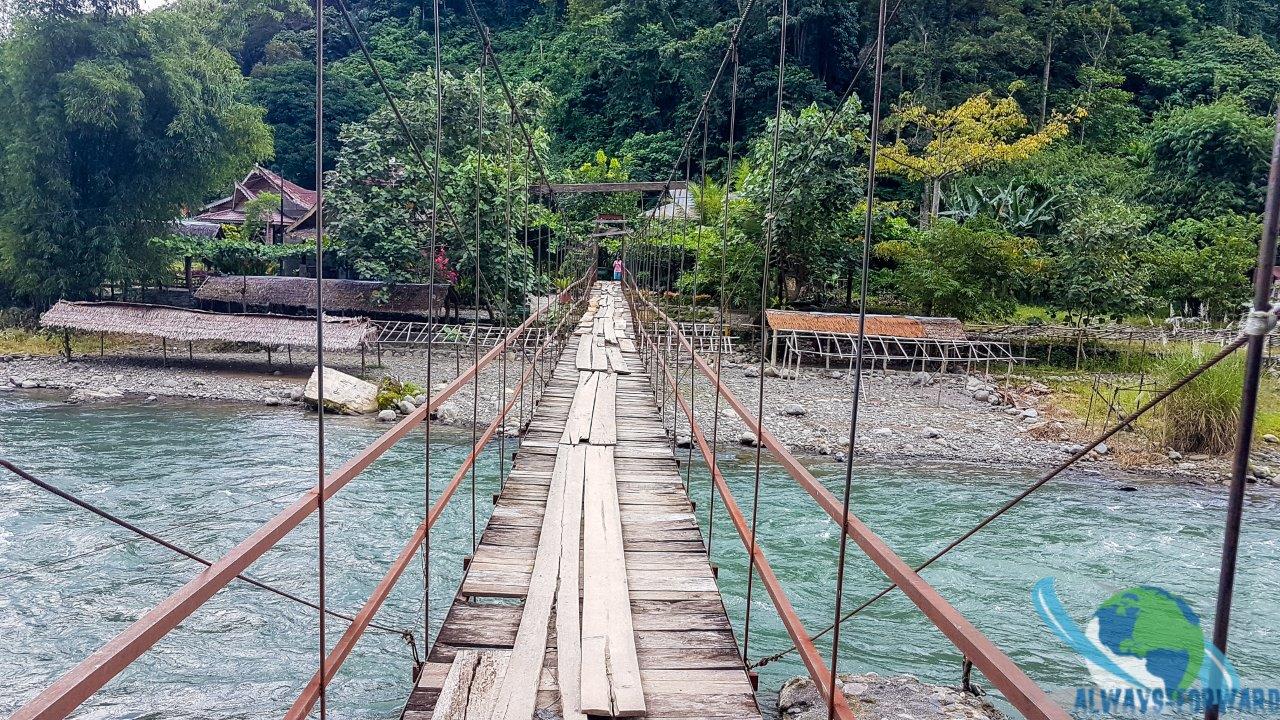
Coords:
pixel 809 655
pixel 87 677
pixel 302 706
pixel 1019 689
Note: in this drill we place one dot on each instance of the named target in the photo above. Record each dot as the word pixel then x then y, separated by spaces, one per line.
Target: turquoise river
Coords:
pixel 206 475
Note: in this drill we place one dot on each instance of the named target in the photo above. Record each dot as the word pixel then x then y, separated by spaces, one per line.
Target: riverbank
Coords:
pixel 926 417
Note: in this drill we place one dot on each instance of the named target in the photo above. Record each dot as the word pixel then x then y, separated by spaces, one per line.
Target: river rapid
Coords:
pixel 205 475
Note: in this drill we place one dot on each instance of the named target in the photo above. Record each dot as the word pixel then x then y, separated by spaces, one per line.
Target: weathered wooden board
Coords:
pixel 687 660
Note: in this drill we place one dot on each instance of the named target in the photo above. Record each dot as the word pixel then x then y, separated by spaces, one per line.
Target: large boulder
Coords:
pixel 875 697
pixel 343 393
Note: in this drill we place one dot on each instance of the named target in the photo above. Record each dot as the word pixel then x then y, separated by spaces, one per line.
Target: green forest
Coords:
pixel 1077 159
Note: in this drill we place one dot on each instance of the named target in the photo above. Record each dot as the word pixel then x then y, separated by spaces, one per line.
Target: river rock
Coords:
pixel 295 394
pixel 1270 438
pixel 1102 449
pixel 343 393
pixel 422 399
pixel 795 410
pixel 387 416
pixel 922 379
pixel 932 432
pixel 273 401
pixel 747 438
pixel 1030 413
pixel 876 697
pixel 771 371
pixel 981 395
pixel 752 371
pixel 406 406
pixel 1174 455
pixel 840 456
pixel 29 384
pixel 882 432
pixel 683 441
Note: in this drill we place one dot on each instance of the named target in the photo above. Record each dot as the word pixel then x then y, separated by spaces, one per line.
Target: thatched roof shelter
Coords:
pixel 901 326
pixel 197 325
pixel 352 296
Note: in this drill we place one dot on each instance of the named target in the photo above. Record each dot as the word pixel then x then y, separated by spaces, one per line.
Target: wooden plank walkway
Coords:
pixel 688 659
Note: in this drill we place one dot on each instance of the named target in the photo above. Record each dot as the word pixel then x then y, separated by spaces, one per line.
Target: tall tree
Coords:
pixel 113 123
pixel 980 132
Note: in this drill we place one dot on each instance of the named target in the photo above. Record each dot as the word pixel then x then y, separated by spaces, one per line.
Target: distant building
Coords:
pixel 296 202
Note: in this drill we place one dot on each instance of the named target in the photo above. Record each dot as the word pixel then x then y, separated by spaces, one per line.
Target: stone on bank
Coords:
pixel 876 697
pixel 343 393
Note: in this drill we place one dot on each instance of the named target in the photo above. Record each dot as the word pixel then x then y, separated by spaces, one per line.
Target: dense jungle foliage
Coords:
pixel 1094 158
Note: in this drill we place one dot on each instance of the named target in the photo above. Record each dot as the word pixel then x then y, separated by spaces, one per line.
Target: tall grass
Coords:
pixel 1203 415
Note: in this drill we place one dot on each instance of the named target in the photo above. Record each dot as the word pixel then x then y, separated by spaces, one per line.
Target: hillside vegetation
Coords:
pixel 1091 158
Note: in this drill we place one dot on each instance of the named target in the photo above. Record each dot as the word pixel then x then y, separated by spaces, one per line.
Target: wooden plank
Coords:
pixel 604 419
pixel 470 688
pixel 518 696
pixel 583 358
pixel 568 618
pixel 578 425
pixel 616 361
pixel 599 358
pixel 608 640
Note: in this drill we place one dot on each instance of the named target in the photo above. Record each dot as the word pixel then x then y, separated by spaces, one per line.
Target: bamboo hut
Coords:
pixel 182 325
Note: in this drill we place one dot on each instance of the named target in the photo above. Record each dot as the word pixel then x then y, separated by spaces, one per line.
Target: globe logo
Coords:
pixel 1144 638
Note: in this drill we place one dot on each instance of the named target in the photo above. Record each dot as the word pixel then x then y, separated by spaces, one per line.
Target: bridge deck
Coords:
pixel 687 656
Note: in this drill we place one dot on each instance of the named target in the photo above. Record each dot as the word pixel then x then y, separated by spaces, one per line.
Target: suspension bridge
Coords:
pixel 590 591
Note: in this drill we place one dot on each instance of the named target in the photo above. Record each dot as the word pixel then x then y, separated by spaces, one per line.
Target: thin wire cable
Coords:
pixel 475 318
pixel 693 395
pixel 320 515
pixel 771 231
pixel 1121 424
pixel 158 540
pixel 506 301
pixel 867 224
pixel 434 253
pixel 723 309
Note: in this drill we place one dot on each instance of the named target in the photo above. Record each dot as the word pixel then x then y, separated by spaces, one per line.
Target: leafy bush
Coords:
pixel 392 390
pixel 1202 416
pixel 966 271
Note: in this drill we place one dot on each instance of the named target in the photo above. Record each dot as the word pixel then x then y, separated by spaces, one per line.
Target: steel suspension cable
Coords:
pixel 769 237
pixel 723 309
pixel 693 308
pixel 320 500
pixel 475 318
pixel 433 254
pixel 506 300
pixel 868 221
pixel 158 540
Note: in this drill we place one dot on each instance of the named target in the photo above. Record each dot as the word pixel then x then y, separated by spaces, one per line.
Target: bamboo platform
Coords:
pixel 687 658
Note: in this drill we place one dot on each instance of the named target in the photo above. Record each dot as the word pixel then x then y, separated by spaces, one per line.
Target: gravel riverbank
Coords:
pixel 903 416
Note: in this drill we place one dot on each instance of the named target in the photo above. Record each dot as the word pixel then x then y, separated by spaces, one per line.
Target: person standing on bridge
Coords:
pixel 617 269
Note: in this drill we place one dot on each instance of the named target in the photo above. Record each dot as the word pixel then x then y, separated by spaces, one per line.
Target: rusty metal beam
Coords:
pixel 82 681
pixel 342 649
pixel 813 662
pixel 1020 690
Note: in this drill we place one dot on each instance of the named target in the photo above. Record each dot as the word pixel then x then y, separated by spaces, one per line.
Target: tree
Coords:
pixel 382 198
pixel 980 132
pixel 1203 266
pixel 1208 160
pixel 112 125
pixel 1097 266
pixel 819 181
pixel 966 271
